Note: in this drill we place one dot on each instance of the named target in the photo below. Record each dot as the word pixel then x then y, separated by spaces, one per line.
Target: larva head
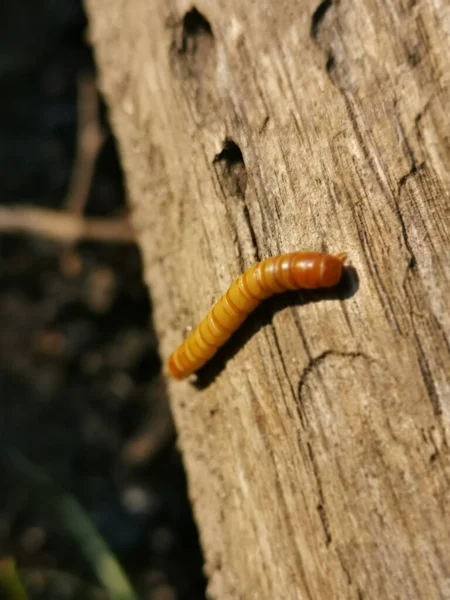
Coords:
pixel 332 268
pixel 313 270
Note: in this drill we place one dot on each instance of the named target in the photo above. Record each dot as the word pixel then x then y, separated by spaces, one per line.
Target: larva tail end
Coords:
pixel 173 369
pixel 342 257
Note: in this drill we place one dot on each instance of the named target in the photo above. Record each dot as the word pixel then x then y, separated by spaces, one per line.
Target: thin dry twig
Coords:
pixel 64 227
pixel 70 226
pixel 90 139
pixel 156 430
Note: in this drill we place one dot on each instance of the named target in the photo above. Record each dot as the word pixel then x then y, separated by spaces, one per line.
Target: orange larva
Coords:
pixel 298 270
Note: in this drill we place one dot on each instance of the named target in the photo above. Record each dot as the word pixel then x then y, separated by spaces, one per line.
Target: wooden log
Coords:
pixel 317 443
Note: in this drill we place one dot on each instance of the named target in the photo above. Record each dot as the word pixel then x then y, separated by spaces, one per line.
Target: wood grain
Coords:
pixel 317 447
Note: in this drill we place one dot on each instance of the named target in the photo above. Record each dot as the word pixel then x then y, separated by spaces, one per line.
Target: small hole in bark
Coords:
pixel 193 58
pixel 231 154
pixel 412 263
pixel 330 64
pixel 230 169
pixel 318 17
pixel 194 26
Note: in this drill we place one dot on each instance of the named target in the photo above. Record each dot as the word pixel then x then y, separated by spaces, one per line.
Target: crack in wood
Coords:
pixel 231 174
pixel 316 361
pixel 286 375
pixel 428 378
pixel 321 509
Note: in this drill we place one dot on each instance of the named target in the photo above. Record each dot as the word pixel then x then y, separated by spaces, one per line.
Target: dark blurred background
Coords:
pixel 81 393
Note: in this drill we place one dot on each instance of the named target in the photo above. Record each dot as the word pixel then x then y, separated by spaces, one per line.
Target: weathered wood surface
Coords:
pixel 318 453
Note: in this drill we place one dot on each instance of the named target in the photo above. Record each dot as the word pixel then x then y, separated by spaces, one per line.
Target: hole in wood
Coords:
pixel 318 17
pixel 194 26
pixel 193 60
pixel 330 64
pixel 231 170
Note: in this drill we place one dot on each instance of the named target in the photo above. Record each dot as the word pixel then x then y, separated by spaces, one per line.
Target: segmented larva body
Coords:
pixel 294 271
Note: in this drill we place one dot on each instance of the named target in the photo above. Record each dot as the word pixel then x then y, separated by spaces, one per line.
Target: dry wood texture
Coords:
pixel 317 445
